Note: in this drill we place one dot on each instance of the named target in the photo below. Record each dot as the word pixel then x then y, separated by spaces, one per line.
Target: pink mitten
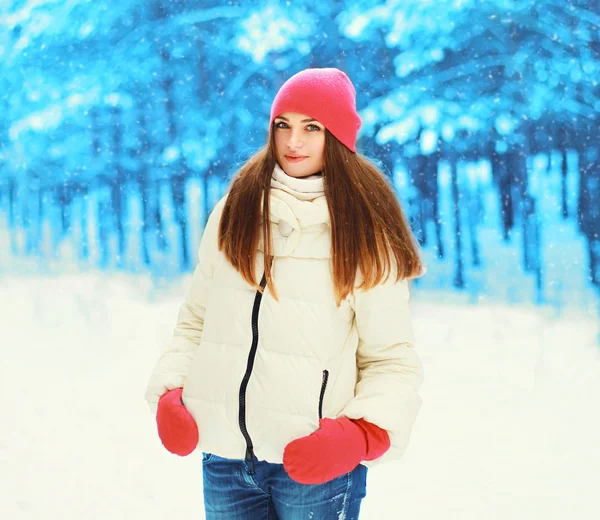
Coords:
pixel 176 426
pixel 337 447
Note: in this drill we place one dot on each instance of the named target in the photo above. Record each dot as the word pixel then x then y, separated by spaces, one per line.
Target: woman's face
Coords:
pixel 299 144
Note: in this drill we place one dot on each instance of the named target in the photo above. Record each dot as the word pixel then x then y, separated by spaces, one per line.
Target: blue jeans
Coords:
pixel 231 493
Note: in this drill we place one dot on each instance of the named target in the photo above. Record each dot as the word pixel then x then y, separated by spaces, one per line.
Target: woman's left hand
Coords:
pixel 336 448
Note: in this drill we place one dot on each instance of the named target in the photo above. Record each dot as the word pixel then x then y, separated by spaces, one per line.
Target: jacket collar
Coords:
pixel 300 224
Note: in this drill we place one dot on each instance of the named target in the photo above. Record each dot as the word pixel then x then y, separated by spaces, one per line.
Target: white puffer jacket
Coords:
pixel 257 373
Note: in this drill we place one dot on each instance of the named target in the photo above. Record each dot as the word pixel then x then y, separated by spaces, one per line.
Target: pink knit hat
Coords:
pixel 326 95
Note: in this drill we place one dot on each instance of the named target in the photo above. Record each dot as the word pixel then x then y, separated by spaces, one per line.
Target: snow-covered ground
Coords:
pixel 509 428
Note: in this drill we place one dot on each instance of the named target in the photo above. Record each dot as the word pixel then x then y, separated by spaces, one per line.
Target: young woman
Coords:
pixel 292 365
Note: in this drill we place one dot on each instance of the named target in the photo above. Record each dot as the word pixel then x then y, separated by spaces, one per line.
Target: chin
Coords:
pixel 297 170
pixel 293 172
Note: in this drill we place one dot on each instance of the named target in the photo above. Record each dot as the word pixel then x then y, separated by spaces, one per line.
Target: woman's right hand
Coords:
pixel 177 429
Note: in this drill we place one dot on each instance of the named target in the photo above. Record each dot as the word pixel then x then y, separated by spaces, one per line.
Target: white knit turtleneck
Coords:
pixel 304 188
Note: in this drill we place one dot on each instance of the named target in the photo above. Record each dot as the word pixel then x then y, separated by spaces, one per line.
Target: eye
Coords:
pixel 314 128
pixel 278 123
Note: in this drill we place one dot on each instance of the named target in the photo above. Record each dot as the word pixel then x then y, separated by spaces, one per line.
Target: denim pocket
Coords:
pixel 207 457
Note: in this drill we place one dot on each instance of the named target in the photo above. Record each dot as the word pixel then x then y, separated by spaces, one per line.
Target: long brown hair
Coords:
pixel 369 231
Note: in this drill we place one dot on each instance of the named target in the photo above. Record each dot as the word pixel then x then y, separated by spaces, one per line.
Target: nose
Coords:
pixel 295 141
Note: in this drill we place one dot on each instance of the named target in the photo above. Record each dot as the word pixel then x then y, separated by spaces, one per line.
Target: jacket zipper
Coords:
pixel 323 387
pixel 242 413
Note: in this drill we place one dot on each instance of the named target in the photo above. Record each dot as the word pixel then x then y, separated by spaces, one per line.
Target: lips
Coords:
pixel 295 158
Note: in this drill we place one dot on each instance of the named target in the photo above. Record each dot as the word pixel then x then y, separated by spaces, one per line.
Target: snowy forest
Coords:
pixel 123 122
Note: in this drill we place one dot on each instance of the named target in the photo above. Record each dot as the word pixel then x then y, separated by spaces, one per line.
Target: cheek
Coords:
pixel 279 143
pixel 319 148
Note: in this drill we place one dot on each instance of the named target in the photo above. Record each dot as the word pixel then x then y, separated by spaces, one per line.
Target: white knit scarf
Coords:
pixel 305 188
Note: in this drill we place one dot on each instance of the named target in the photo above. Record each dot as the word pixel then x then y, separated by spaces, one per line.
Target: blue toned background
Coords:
pixel 121 125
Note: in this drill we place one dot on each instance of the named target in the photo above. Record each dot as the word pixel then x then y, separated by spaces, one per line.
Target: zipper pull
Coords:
pixel 323 388
pixel 250 460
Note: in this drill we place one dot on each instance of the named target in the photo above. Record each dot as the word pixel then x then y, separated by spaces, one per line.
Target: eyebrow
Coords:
pixel 303 121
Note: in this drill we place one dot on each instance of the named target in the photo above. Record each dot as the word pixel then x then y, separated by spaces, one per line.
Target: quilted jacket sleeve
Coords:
pixel 172 367
pixel 389 370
